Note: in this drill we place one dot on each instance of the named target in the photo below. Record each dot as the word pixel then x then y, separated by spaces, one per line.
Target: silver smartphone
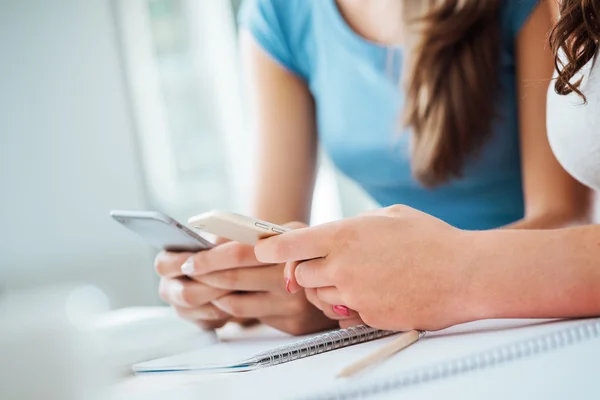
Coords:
pixel 161 231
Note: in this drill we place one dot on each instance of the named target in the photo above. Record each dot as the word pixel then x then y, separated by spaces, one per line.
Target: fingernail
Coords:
pixel 341 310
pixel 188 266
pixel 287 285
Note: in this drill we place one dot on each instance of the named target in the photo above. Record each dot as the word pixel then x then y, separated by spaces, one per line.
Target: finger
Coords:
pixel 206 312
pixel 266 278
pixel 225 256
pixel 221 240
pixel 330 295
pixel 343 312
pixel 251 305
pixel 187 293
pixel 289 274
pixel 348 323
pixel 313 273
pixel 211 324
pixel 168 264
pixel 332 301
pixel 297 245
pixel 289 279
pixel 311 296
pixel 326 308
pixel 331 310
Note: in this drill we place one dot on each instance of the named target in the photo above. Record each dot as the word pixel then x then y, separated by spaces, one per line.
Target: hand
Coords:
pixel 397 267
pixel 228 281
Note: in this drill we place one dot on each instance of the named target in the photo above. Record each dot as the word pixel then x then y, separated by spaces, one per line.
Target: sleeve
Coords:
pixel 516 14
pixel 264 19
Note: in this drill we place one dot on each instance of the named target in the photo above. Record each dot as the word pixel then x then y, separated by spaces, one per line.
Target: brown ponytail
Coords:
pixel 576 35
pixel 452 83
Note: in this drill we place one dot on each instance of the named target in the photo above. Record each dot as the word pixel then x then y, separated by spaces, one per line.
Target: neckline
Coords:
pixel 353 37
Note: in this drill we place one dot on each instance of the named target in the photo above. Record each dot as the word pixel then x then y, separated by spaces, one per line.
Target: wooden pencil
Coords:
pixel 388 350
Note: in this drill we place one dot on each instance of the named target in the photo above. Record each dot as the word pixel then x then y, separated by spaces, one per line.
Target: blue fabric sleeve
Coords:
pixel 265 20
pixel 517 12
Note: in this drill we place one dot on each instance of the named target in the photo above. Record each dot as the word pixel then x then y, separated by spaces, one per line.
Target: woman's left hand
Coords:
pixel 398 268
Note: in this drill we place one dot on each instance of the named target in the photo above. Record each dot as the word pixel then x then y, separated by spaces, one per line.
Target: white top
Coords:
pixel 574 128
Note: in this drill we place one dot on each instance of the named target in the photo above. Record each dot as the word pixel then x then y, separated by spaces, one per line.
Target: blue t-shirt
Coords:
pixel 358 102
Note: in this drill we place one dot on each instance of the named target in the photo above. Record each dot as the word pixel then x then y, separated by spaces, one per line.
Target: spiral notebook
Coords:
pixel 237 357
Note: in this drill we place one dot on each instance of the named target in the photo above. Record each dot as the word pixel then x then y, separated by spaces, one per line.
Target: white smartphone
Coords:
pixel 161 231
pixel 232 226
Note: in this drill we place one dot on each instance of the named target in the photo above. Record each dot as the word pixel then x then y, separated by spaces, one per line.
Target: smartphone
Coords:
pixel 235 227
pixel 161 231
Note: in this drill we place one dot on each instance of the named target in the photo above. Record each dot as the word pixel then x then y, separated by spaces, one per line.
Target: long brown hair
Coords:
pixel 452 83
pixel 576 35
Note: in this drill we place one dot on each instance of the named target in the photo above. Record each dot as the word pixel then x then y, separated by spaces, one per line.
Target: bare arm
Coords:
pixel 552 197
pixel 537 273
pixel 283 114
pixel 552 273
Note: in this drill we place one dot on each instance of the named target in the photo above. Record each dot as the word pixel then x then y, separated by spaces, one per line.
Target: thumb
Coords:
pixel 289 274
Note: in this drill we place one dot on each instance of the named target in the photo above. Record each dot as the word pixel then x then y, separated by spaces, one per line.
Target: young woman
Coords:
pixel 439 105
pixel 399 268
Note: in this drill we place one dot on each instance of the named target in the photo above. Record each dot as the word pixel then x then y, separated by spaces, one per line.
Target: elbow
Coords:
pixel 556 218
pixel 574 210
pixel 573 218
pixel 580 212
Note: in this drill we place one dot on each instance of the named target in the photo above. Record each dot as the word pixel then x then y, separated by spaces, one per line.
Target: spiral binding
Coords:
pixel 317 345
pixel 477 361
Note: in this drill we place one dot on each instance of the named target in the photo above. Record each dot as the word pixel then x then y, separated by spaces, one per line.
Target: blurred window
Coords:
pixel 183 70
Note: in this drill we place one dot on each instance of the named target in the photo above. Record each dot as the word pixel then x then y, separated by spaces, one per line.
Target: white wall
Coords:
pixel 67 151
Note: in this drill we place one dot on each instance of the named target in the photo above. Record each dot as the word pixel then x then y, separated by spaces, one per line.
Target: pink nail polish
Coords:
pixel 341 310
pixel 287 285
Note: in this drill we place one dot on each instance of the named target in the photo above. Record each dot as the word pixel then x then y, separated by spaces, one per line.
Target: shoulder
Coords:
pixel 281 28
